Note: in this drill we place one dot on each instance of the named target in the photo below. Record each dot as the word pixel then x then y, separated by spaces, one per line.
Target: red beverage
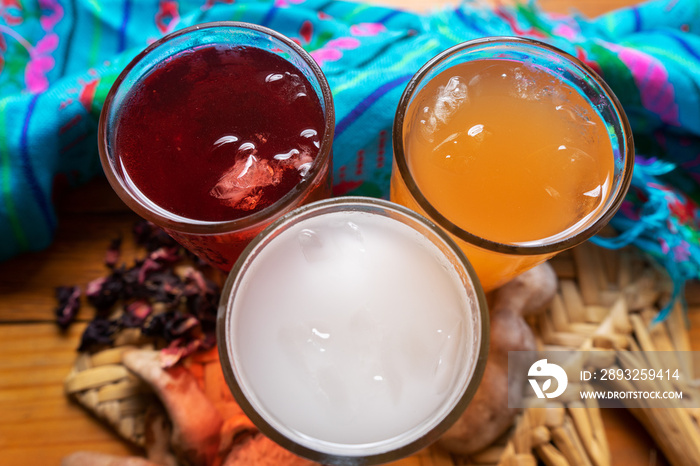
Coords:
pixel 218 133
pixel 215 131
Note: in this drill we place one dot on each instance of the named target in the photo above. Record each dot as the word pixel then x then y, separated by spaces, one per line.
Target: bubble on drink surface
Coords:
pixel 272 77
pixel 312 135
pixel 290 86
pixel 228 139
pixel 300 159
pixel 448 100
pixel 286 155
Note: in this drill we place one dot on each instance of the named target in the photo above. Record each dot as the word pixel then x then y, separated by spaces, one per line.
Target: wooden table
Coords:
pixel 38 424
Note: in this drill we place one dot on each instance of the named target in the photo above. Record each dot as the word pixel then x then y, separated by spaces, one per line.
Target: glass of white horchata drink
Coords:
pixel 353 331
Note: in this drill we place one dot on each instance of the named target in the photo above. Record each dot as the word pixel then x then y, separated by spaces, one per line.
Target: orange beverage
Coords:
pixel 511 156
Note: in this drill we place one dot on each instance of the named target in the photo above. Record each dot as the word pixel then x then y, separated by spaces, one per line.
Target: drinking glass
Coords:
pixel 452 81
pixel 353 331
pixel 217 242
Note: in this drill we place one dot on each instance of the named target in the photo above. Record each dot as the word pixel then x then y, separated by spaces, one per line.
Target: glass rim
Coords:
pixel 225 314
pixel 194 226
pixel 555 246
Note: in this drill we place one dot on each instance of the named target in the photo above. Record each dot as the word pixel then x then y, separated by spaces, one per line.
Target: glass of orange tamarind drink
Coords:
pixel 515 148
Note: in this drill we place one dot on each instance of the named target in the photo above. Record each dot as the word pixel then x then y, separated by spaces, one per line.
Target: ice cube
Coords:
pixel 448 100
pixel 448 355
pixel 352 238
pixel 240 186
pixel 313 246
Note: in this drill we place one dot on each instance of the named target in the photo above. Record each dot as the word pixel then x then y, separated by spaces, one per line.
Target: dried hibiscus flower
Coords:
pixel 113 252
pixel 98 333
pixel 68 298
pixel 166 294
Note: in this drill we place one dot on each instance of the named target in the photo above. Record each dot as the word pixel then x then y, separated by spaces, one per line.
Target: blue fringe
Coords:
pixel 658 232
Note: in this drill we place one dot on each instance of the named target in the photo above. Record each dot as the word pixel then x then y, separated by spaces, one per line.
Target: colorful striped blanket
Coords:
pixel 58 59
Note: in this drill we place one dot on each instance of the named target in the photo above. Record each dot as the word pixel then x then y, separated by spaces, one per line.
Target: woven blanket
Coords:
pixel 58 59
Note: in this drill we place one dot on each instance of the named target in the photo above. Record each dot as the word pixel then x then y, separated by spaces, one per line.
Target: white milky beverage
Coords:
pixel 351 333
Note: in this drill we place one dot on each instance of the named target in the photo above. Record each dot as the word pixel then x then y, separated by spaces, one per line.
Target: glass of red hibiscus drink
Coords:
pixel 215 131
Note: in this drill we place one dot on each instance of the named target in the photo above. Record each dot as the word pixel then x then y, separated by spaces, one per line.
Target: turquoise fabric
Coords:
pixel 58 60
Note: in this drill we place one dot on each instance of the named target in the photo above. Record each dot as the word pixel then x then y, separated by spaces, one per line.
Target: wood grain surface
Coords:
pixel 38 424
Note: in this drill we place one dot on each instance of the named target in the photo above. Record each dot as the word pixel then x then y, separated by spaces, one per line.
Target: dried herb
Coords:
pixel 98 333
pixel 135 314
pixel 113 252
pixel 166 294
pixel 68 298
pixel 104 292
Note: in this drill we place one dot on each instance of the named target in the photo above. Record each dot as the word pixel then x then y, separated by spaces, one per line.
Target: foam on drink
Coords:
pixel 351 331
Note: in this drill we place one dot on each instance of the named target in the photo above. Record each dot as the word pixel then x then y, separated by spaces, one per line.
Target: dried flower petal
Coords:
pixel 98 332
pixel 135 314
pixel 151 237
pixel 165 254
pixel 176 309
pixel 104 292
pixel 68 305
pixel 148 266
pixel 113 252
pixel 178 349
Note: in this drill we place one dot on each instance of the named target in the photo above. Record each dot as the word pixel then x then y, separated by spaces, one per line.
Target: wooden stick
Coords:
pixel 588 270
pixel 578 412
pixel 568 443
pixel 560 318
pixel 551 456
pixel 573 301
